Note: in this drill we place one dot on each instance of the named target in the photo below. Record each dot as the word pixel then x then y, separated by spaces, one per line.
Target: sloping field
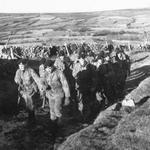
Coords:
pixel 130 25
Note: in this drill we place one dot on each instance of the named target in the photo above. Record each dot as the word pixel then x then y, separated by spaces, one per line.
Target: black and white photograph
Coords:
pixel 74 74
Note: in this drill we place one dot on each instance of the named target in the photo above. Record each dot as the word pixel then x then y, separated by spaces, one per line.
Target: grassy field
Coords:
pixel 120 25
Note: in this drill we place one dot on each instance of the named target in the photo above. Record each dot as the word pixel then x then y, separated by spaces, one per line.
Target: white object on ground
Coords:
pixel 128 102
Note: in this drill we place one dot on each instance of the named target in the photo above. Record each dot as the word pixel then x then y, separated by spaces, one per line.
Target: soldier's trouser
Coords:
pixel 29 103
pixel 55 105
pixel 86 100
pixel 43 97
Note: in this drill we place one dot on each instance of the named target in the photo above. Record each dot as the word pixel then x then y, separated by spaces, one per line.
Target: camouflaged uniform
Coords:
pixel 57 91
pixel 120 56
pixel 42 73
pixel 124 61
pixel 59 64
pixel 28 88
pixel 113 57
pixel 76 68
pixel 86 90
pixel 89 59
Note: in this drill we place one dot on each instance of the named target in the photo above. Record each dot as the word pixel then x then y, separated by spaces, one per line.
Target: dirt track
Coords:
pixel 15 134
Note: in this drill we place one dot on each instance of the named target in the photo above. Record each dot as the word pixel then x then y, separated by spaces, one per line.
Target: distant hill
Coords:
pixel 122 25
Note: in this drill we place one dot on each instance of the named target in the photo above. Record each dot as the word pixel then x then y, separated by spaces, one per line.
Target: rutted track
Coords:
pixel 16 135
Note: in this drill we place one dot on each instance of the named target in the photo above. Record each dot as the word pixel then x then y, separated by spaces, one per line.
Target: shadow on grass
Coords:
pixel 32 136
pixel 137 76
pixel 141 59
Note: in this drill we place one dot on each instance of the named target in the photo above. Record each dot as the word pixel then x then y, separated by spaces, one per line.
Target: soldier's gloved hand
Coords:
pixel 67 101
pixel 42 89
pixel 42 92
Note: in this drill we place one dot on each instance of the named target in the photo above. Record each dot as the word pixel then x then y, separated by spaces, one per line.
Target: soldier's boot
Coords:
pixel 60 122
pixel 43 104
pixel 58 106
pixel 86 114
pixel 30 110
pixel 53 117
pixel 51 109
pixel 31 116
pixel 75 113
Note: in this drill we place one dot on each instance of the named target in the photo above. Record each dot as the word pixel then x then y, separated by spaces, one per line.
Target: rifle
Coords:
pixel 67 49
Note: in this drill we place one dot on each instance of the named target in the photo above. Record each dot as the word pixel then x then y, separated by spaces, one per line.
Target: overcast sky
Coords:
pixel 69 5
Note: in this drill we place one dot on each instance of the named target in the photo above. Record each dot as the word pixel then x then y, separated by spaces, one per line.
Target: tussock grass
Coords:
pixel 142 91
pixel 133 132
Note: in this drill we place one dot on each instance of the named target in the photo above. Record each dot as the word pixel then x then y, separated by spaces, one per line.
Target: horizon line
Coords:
pixel 74 12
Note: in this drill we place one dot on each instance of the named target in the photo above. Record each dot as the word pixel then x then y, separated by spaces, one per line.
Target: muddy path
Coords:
pixel 17 134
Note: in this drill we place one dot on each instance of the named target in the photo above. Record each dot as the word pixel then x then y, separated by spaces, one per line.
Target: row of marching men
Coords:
pixel 52 85
pixel 66 80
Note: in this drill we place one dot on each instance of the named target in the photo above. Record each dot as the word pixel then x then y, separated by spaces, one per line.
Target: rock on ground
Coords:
pixel 118 130
pixel 96 136
pixel 133 132
pixel 142 91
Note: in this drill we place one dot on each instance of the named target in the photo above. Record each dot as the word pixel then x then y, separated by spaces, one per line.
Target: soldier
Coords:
pixel 42 73
pixel 64 64
pixel 86 90
pixel 57 90
pixel 120 55
pixel 107 79
pixel 99 60
pixel 42 68
pixel 90 57
pixel 123 70
pixel 27 80
pixel 84 74
pixel 123 59
pixel 59 62
pixel 78 65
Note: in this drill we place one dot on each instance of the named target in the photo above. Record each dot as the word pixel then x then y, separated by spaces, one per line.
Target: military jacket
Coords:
pixel 58 83
pixel 27 79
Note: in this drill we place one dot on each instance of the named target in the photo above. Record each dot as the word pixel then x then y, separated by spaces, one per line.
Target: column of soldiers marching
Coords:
pixel 82 81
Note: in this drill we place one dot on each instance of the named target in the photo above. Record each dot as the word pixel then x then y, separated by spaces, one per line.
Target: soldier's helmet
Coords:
pixel 117 49
pixel 101 54
pixel 23 61
pixel 61 53
pixel 53 50
pixel 121 48
pixel 67 60
pixel 42 61
pixel 110 48
pixel 107 59
pixel 82 55
pixel 49 63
